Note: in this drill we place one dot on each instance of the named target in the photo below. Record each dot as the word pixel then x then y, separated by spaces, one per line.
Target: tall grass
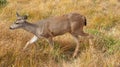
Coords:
pixel 102 22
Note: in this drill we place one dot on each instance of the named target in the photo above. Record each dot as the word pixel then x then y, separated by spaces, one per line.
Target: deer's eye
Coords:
pixel 16 23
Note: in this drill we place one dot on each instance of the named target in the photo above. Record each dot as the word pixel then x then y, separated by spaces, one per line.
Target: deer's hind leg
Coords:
pixel 89 36
pixel 75 37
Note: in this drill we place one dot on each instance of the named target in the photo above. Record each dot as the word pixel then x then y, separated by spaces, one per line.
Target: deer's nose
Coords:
pixel 10 28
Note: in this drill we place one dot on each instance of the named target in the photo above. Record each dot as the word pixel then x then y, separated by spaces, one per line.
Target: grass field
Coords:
pixel 103 21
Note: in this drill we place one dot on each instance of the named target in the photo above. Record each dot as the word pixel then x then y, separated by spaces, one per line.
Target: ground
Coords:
pixel 103 21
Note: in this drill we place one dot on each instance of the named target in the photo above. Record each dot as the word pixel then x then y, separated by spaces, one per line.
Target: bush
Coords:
pixel 3 2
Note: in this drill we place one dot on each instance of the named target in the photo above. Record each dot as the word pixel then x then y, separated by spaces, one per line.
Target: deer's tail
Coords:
pixel 85 21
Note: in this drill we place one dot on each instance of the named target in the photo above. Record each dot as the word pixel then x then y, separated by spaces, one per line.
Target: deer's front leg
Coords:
pixel 50 41
pixel 34 39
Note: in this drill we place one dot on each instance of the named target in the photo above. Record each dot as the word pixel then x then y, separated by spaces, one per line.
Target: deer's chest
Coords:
pixel 44 32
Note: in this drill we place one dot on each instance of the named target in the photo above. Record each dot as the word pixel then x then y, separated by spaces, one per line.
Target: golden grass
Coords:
pixel 103 22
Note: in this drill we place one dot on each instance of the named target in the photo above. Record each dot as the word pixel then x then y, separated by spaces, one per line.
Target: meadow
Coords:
pixel 103 20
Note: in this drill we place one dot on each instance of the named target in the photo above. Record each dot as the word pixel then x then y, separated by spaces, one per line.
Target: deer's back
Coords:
pixel 62 24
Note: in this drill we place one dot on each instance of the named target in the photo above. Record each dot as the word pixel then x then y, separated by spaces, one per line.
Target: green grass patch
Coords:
pixel 3 2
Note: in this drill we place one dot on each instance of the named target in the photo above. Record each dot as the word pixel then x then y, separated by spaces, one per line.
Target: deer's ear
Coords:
pixel 25 17
pixel 17 14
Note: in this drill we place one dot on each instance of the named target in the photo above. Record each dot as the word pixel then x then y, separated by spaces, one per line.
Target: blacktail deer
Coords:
pixel 72 23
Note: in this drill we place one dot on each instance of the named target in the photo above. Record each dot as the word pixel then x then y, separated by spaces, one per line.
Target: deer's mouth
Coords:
pixel 11 28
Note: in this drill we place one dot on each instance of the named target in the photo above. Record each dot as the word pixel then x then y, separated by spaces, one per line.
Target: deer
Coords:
pixel 48 28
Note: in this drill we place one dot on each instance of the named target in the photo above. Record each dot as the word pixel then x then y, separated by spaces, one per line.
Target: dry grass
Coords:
pixel 103 21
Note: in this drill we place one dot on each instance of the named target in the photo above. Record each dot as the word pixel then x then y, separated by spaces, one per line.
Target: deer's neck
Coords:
pixel 30 27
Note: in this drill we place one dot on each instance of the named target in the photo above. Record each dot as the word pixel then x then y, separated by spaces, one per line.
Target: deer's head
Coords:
pixel 20 22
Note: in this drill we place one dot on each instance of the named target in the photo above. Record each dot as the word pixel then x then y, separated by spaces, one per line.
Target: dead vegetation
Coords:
pixel 103 21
